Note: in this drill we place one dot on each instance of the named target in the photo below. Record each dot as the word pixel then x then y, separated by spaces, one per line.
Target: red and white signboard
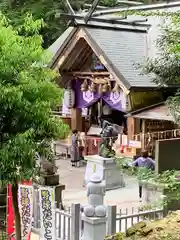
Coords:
pixel 25 194
pixel 135 144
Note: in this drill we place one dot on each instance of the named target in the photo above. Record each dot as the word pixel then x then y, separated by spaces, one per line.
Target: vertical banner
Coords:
pixel 10 218
pixel 25 194
pixel 47 213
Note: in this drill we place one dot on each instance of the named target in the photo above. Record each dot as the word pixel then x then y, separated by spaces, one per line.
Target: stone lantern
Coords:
pixel 50 177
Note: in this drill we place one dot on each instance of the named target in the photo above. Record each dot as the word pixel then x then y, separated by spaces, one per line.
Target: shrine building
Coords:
pixel 99 68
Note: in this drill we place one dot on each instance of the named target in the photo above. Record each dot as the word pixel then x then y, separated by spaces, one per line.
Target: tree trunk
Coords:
pixel 16 211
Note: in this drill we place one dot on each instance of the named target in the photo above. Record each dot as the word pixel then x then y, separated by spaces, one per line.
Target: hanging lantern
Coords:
pixel 116 88
pixel 69 98
pixel 84 86
pixel 105 88
pixel 92 87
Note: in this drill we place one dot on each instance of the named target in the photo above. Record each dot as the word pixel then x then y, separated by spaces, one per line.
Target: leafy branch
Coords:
pixel 168 180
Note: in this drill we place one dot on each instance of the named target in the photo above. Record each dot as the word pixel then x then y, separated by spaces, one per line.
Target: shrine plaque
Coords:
pixel 93 168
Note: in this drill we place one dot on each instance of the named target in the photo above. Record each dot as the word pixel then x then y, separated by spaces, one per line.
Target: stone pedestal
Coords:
pixel 106 169
pixel 49 180
pixel 150 193
pixel 53 180
pixel 162 196
pixel 94 228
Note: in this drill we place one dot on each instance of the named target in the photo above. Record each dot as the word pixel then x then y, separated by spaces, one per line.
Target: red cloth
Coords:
pixel 11 219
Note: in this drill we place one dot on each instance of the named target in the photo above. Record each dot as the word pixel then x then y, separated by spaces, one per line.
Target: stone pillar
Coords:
pixel 94 216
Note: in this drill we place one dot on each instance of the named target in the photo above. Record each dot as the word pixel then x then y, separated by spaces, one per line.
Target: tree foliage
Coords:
pixel 28 93
pixel 165 66
pixel 48 10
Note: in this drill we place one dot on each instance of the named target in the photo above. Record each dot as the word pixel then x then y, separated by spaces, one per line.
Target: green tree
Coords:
pixel 28 93
pixel 165 67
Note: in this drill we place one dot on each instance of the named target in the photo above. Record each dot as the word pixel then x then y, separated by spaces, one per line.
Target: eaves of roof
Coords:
pixel 58 46
pixel 144 109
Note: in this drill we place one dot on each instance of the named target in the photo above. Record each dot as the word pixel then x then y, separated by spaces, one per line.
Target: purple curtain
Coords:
pixel 115 100
pixel 84 99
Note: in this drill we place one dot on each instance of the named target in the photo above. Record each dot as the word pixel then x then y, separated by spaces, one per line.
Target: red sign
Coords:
pixel 11 216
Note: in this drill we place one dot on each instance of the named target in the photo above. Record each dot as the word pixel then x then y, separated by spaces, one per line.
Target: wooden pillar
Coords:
pixel 76 119
pixel 131 128
pixel 137 126
pixel 143 133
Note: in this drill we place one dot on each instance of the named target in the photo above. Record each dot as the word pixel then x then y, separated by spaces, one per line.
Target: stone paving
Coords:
pixel 126 197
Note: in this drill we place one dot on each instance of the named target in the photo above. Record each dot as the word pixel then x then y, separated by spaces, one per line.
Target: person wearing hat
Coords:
pixel 143 162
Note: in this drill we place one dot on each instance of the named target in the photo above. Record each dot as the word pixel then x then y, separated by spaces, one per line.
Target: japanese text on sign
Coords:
pixel 25 202
pixel 47 214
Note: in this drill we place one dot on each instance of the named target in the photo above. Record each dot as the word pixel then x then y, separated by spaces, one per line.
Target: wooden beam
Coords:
pixel 80 54
pixel 129 3
pixel 98 7
pixel 89 73
pixel 86 61
pixel 143 7
pixel 76 119
pixel 69 7
pixel 74 56
pixel 91 10
pixel 102 20
pixel 79 64
pixel 67 51
pixel 143 132
pixel 98 80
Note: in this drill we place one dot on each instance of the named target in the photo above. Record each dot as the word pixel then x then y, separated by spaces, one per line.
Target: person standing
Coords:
pixel 74 148
pixel 81 145
pixel 142 163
